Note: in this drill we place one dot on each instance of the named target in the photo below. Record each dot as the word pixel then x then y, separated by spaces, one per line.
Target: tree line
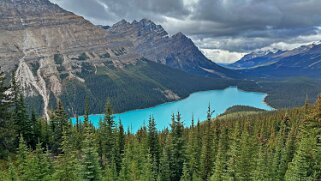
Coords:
pixel 278 145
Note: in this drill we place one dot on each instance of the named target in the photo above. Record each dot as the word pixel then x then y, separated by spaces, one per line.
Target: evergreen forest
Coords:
pixel 273 146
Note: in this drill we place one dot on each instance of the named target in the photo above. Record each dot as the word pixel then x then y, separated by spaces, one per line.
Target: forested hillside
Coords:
pixel 279 145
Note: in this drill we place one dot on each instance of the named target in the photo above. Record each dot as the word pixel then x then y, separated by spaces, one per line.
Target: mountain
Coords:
pixel 302 61
pixel 153 42
pixel 255 59
pixel 58 55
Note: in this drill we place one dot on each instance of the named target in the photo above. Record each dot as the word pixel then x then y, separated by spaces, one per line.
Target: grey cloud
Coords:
pixel 231 25
pixel 244 16
pixel 115 10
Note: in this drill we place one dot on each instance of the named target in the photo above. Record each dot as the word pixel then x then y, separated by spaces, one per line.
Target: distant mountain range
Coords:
pixel 59 55
pixel 255 59
pixel 302 61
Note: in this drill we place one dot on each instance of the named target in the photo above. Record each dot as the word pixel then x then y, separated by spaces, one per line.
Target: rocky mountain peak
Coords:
pixel 146 23
pixel 121 23
pixel 182 37
pixel 179 34
pixel 144 28
pixel 152 42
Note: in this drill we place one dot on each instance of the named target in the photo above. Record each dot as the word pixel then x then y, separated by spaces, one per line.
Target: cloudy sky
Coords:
pixel 224 30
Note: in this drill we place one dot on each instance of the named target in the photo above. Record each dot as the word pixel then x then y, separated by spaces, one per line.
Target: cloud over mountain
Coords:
pixel 234 26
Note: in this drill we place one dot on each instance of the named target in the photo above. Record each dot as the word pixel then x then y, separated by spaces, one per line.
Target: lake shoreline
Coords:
pixel 182 98
pixel 168 102
pixel 195 105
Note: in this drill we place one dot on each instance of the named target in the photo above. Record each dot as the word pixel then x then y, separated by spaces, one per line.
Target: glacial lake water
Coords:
pixel 194 105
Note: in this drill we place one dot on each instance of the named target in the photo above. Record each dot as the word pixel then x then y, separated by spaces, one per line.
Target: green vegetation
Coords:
pixel 59 59
pixel 278 145
pixel 83 56
pixel 105 55
pixel 240 111
pixel 125 87
pixel 119 52
pixel 240 108
pixel 34 67
pixel 289 92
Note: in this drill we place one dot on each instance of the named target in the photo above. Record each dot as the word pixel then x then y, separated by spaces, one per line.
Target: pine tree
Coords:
pixel 284 150
pixel 119 150
pixel 233 153
pixel 7 127
pixel 245 165
pixel 15 89
pixel 164 168
pixel 198 148
pixel 39 165
pixel 177 146
pixel 109 133
pixel 125 172
pixel 207 161
pixel 45 132
pixel 278 155
pixel 300 167
pixel 90 162
pixel 86 116
pixel 67 166
pixel 116 156
pixel 260 172
pixel 12 172
pixel 153 144
pixel 186 173
pixel 221 157
pixel 22 160
pixel 110 173
pixel 24 125
pixel 147 169
pixel 100 141
pixel 191 165
pixel 290 148
pixel 36 129
pixel 59 122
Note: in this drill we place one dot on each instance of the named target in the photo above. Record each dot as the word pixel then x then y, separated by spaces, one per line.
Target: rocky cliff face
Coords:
pixel 49 47
pixel 153 42
pixel 44 43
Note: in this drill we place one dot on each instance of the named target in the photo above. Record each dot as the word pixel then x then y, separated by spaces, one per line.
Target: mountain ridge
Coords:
pixel 302 61
pixel 49 48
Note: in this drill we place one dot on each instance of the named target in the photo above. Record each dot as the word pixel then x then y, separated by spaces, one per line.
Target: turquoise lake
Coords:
pixel 195 105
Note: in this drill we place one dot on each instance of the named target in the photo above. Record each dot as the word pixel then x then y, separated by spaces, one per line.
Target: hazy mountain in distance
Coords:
pixel 302 61
pixel 255 59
